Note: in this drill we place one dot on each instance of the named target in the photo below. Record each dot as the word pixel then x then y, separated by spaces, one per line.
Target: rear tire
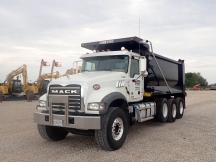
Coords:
pixel 114 129
pixel 180 107
pixel 162 110
pixel 52 133
pixel 172 110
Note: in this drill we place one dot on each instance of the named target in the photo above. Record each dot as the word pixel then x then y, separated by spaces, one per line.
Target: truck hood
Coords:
pixel 89 77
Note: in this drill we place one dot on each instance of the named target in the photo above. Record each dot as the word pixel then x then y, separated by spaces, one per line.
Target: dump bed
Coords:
pixel 173 72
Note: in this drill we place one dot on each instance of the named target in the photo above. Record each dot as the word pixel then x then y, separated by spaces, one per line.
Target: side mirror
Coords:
pixel 143 66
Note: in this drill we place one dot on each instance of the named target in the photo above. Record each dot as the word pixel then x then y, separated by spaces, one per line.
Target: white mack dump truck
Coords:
pixel 122 82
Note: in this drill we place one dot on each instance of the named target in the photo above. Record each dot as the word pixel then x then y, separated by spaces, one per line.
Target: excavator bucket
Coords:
pixel 1 96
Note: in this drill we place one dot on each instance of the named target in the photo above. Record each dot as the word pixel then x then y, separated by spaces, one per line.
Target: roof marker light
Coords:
pixel 123 48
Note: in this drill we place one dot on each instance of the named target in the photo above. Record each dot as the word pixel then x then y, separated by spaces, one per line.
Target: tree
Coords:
pixel 192 79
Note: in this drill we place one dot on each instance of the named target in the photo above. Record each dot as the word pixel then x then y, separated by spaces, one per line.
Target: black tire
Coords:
pixel 105 137
pixel 161 110
pixel 172 110
pixel 52 133
pixel 180 107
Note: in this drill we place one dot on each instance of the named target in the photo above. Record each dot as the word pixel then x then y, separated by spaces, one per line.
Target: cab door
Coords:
pixel 136 88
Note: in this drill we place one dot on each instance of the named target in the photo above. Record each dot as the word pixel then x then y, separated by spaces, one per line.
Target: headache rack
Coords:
pixel 134 44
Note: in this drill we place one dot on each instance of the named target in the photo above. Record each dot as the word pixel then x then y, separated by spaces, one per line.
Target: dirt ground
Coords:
pixel 192 138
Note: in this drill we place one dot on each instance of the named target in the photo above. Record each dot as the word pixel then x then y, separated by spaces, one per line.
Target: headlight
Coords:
pixel 41 103
pixel 96 106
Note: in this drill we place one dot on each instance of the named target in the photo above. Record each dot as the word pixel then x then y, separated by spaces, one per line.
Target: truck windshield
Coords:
pixel 117 63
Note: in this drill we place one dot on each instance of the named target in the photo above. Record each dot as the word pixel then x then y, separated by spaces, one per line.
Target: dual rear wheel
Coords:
pixel 169 110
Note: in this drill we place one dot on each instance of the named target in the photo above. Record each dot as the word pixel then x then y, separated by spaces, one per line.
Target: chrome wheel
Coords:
pixel 117 128
pixel 181 108
pixel 174 111
pixel 165 110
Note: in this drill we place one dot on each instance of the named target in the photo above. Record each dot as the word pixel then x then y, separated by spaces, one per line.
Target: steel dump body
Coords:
pixel 172 70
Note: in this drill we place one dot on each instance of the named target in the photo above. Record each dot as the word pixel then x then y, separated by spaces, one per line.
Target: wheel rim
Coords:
pixel 181 108
pixel 165 110
pixel 174 110
pixel 117 128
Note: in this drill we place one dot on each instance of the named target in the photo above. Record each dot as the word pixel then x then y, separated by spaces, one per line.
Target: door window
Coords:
pixel 134 67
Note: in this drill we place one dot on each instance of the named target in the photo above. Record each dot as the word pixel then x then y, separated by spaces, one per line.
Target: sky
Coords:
pixel 54 30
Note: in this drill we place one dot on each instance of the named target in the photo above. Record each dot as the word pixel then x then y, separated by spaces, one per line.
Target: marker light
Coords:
pixel 123 48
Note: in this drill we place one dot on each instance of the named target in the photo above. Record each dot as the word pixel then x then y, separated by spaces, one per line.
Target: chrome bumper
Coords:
pixel 79 122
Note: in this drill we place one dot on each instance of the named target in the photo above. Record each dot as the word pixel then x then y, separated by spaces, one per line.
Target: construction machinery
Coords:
pixel 76 69
pixel 54 64
pixel 40 86
pixel 43 80
pixel 196 87
pixel 73 71
pixel 13 86
pixel 36 86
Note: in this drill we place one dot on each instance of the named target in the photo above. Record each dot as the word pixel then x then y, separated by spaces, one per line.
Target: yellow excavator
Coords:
pixel 13 87
pixel 39 87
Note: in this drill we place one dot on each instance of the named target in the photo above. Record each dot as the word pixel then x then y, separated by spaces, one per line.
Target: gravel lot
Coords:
pixel 192 138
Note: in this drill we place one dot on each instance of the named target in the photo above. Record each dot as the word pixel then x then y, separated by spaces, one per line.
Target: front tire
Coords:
pixel 51 133
pixel 114 129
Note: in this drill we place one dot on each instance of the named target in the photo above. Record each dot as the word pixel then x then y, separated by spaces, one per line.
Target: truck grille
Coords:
pixel 61 97
pixel 74 102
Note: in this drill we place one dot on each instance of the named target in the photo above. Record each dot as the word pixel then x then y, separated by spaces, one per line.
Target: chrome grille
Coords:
pixel 60 106
pixel 74 102
pixel 71 100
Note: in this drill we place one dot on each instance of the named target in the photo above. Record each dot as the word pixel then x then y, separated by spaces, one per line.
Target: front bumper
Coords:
pixel 79 122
